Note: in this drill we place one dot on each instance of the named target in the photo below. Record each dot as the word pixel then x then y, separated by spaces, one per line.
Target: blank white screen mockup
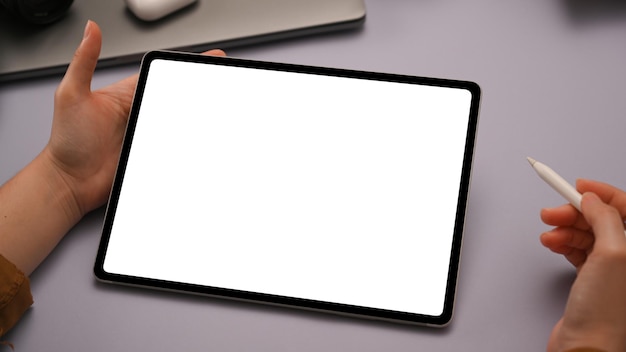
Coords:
pixel 325 188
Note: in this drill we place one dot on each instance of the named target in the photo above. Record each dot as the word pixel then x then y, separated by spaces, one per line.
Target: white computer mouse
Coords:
pixel 151 10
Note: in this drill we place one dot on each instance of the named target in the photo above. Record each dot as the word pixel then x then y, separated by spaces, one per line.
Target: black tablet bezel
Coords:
pixel 395 316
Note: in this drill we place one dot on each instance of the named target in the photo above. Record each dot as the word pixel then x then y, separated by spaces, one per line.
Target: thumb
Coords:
pixel 77 80
pixel 607 224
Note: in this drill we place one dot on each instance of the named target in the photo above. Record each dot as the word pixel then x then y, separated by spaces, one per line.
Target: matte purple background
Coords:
pixel 553 75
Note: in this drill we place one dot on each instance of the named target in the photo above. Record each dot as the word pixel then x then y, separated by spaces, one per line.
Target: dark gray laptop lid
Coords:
pixel 27 51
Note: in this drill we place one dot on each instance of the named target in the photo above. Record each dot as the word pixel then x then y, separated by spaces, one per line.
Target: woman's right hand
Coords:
pixel 595 243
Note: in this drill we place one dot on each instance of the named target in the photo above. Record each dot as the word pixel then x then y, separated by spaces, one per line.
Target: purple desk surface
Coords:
pixel 553 76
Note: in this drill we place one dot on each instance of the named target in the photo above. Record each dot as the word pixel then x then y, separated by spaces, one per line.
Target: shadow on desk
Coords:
pixel 259 308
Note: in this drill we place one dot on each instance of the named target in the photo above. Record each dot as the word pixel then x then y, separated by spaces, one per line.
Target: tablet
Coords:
pixel 332 190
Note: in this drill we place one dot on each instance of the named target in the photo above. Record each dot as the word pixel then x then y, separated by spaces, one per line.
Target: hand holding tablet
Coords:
pixel 293 185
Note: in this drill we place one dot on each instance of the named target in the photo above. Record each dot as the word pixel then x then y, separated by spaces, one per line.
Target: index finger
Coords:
pixel 564 216
pixel 215 52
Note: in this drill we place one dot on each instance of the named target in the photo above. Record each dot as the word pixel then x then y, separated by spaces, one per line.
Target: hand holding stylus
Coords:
pixel 592 239
pixel 558 183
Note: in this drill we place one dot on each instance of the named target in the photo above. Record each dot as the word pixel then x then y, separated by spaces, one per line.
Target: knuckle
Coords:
pixel 607 212
pixel 614 255
pixel 63 94
pixel 60 94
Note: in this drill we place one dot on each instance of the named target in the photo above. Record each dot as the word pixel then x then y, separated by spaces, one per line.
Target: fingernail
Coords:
pixel 87 29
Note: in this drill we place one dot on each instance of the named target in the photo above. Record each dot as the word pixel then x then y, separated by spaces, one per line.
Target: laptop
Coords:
pixel 30 51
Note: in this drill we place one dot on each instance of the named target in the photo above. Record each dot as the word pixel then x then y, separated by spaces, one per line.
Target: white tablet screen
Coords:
pixel 316 187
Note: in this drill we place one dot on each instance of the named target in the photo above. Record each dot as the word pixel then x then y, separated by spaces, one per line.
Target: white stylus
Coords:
pixel 557 182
